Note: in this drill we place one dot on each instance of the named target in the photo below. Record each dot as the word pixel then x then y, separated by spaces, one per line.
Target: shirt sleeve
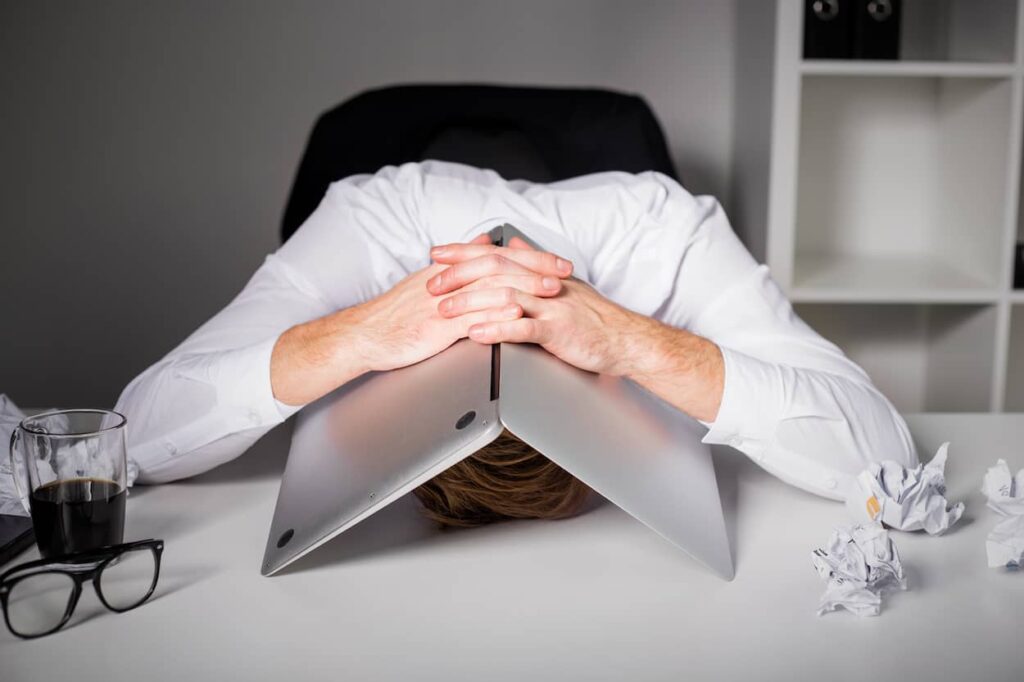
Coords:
pixel 792 401
pixel 210 398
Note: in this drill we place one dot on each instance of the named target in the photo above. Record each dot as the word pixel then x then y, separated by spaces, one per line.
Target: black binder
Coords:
pixel 876 29
pixel 828 29
pixel 15 536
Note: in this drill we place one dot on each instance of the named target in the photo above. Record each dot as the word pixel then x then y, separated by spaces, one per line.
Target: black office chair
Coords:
pixel 538 134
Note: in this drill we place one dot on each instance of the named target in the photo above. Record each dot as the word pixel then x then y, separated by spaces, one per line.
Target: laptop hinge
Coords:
pixel 499 240
pixel 495 370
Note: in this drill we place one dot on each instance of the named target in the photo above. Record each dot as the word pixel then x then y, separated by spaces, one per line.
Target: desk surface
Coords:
pixel 598 597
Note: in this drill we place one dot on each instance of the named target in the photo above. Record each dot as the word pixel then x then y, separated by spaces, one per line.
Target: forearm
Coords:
pixel 184 411
pixel 192 412
pixel 187 401
pixel 812 428
pixel 679 367
pixel 312 359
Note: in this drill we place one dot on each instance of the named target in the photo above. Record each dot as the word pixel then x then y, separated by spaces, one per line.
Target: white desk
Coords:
pixel 598 597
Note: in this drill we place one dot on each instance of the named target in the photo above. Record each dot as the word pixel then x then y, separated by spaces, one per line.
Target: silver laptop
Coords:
pixel 377 438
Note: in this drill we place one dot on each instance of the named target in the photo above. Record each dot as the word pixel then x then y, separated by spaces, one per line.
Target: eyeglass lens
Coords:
pixel 127 581
pixel 37 603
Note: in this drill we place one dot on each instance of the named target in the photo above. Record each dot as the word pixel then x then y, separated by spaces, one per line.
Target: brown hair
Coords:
pixel 507 479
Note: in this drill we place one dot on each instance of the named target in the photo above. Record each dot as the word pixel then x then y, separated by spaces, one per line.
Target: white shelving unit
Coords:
pixel 928 350
pixel 892 196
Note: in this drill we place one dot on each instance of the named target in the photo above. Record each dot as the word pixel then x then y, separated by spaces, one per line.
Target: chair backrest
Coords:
pixel 538 134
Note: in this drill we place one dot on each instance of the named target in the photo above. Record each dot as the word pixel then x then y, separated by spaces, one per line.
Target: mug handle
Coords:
pixel 14 471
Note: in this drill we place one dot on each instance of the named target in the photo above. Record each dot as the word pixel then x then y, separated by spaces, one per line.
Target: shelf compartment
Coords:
pixel 902 184
pixel 958 30
pixel 887 279
pixel 924 358
pixel 1015 364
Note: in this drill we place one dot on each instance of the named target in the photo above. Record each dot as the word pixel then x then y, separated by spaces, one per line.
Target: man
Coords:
pixel 642 280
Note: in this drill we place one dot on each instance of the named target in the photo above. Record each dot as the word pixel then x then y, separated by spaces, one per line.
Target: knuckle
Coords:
pixel 508 295
pixel 494 261
pixel 485 283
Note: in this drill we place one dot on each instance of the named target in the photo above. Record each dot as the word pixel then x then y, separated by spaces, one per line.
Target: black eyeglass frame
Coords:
pixel 94 561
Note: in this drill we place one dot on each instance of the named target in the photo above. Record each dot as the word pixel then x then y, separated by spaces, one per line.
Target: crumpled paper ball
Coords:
pixel 905 498
pixel 860 564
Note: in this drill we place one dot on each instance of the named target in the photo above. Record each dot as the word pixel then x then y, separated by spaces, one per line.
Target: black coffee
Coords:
pixel 77 515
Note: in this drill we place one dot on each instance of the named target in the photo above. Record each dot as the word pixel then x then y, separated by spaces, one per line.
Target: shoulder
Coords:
pixel 649 188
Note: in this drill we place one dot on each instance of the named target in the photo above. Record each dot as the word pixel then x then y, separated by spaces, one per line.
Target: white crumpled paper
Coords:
pixel 905 499
pixel 1005 495
pixel 1004 491
pixel 860 564
pixel 10 417
pixel 1005 544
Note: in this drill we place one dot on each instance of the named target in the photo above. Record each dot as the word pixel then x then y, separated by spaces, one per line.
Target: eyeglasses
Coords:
pixel 39 597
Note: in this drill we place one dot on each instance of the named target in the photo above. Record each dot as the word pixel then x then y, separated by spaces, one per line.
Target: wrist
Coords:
pixel 312 359
pixel 348 344
pixel 640 352
pixel 682 368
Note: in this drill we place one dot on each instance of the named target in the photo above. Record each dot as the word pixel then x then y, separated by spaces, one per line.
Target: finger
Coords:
pixel 541 262
pixel 505 313
pixel 467 301
pixel 484 238
pixel 520 244
pixel 534 285
pixel 522 330
pixel 466 272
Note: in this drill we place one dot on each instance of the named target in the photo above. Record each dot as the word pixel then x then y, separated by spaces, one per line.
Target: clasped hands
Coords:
pixel 494 294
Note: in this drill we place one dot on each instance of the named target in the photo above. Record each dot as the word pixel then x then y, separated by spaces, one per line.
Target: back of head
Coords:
pixel 505 480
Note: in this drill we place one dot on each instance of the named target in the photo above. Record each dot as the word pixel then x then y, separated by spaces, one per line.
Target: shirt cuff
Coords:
pixel 242 378
pixel 751 406
pixel 286 410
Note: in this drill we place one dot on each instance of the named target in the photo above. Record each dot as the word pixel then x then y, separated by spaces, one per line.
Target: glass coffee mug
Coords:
pixel 71 465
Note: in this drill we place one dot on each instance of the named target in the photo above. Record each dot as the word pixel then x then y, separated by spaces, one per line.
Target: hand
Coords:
pixel 573 322
pixel 480 265
pixel 403 326
pixel 398 328
pixel 586 330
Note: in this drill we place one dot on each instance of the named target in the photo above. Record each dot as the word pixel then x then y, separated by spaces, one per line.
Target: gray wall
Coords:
pixel 146 150
pixel 754 61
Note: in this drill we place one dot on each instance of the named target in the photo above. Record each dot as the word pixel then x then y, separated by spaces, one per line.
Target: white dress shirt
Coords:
pixel 792 401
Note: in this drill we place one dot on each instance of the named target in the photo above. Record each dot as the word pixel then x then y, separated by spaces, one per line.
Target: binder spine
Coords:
pixel 876 29
pixel 828 29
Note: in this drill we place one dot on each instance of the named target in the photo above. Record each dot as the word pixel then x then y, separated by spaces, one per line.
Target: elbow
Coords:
pixel 881 432
pixel 851 426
